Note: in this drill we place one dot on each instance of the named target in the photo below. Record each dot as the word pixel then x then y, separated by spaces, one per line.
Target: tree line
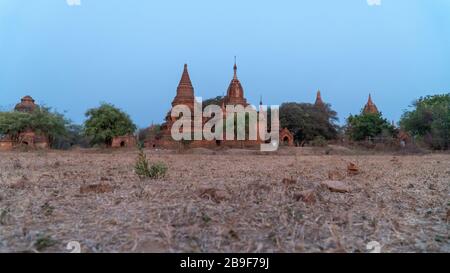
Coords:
pixel 426 122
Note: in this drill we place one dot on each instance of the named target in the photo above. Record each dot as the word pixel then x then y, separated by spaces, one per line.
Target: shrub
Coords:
pixel 158 170
pixel 319 141
pixel 429 121
pixel 143 170
pixel 44 241
pixel 141 167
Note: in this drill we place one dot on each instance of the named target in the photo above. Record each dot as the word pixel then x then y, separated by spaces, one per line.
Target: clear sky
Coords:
pixel 131 53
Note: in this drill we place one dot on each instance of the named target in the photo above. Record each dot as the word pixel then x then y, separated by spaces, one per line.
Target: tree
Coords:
pixel 152 132
pixel 42 121
pixel 106 122
pixel 308 121
pixel 365 125
pixel 429 120
pixel 74 136
pixel 213 101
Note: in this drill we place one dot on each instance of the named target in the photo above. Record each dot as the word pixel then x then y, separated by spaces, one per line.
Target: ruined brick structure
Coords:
pixel 26 105
pixel 28 137
pixel 128 141
pixel 185 96
pixel 286 137
pixel 6 143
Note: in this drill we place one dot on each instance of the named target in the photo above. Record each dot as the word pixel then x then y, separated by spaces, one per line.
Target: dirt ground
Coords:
pixel 233 201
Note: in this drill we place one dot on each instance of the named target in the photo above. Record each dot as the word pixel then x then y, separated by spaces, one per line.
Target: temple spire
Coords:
pixel 185 79
pixel 319 102
pixel 235 92
pixel 185 90
pixel 235 68
pixel 370 107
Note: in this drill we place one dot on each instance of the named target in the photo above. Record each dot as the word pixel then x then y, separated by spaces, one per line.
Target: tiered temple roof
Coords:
pixel 370 107
pixel 235 92
pixel 185 90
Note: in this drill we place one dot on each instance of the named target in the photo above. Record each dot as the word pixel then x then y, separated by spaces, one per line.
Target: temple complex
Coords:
pixel 370 107
pixel 185 96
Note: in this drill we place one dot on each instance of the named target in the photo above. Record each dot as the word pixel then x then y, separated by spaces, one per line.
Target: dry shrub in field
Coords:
pixel 96 188
pixel 4 216
pixel 141 166
pixel 158 170
pixel 143 170
pixel 44 241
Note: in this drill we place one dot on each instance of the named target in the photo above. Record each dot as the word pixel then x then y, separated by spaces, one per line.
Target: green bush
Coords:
pixel 158 170
pixel 319 141
pixel 44 241
pixel 429 121
pixel 144 170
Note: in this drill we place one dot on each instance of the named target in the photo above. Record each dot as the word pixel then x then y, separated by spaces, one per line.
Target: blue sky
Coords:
pixel 131 53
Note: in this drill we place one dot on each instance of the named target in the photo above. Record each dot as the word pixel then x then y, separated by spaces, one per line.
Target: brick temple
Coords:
pixel 126 141
pixel 185 96
pixel 28 137
pixel 370 107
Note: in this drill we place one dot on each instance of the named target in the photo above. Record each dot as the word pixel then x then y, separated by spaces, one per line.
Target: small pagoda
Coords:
pixel 370 107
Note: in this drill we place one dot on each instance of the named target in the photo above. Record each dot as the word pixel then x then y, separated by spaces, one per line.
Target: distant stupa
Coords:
pixel 319 102
pixel 370 107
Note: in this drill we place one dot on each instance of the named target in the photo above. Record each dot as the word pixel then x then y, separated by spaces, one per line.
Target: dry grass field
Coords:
pixel 228 201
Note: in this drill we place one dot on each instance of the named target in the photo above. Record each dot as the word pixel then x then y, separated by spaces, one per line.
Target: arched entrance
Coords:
pixel 286 137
